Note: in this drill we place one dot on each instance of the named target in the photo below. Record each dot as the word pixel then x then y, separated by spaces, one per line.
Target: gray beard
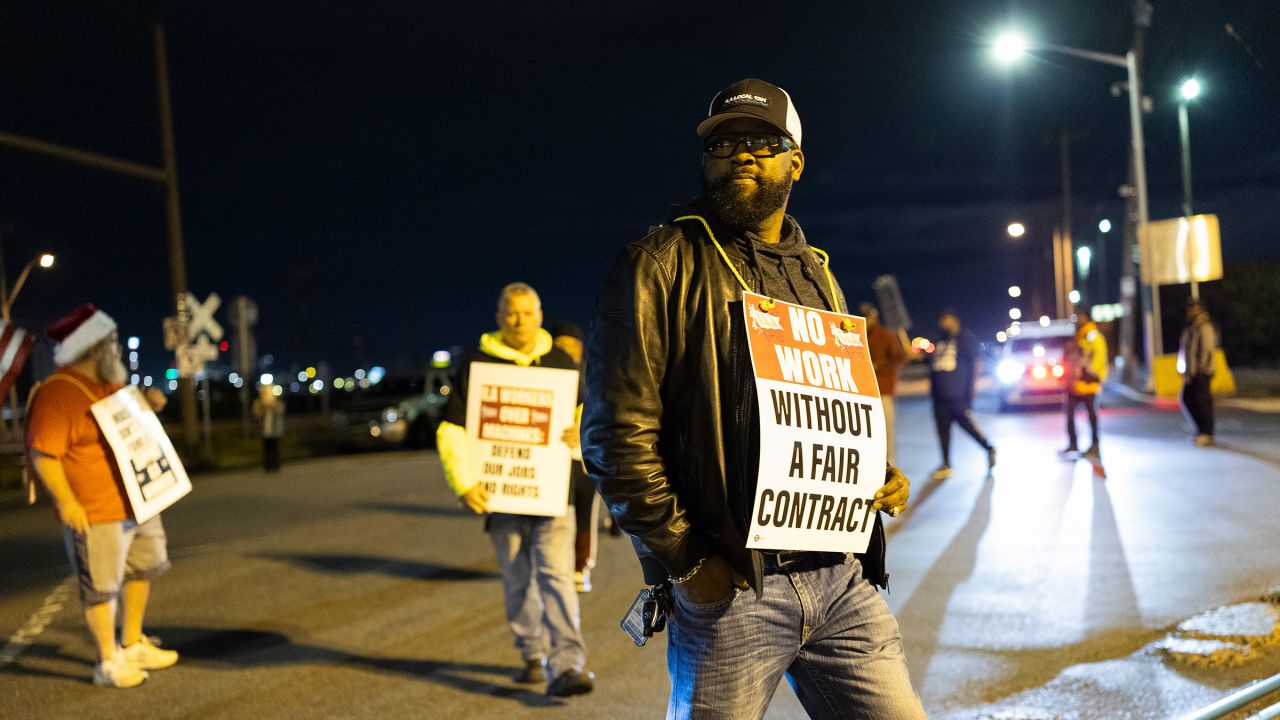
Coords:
pixel 749 211
pixel 111 369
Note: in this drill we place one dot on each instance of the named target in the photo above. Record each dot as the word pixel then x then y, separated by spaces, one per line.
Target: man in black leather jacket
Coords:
pixel 670 435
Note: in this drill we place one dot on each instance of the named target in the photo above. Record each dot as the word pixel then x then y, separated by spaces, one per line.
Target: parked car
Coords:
pixel 1031 370
pixel 402 410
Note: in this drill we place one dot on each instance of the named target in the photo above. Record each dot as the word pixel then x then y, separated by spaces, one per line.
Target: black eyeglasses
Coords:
pixel 724 146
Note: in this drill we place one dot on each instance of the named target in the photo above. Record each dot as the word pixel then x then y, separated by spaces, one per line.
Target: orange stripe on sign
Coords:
pixel 810 347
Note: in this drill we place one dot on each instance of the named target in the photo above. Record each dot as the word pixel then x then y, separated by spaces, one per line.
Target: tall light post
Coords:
pixel 1188 91
pixel 7 296
pixel 1011 47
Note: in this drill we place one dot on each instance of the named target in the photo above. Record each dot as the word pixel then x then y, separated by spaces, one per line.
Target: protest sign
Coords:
pixel 515 419
pixel 154 477
pixel 822 429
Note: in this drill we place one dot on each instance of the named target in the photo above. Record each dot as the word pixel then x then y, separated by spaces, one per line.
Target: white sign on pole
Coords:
pixel 822 428
pixel 189 362
pixel 154 477
pixel 515 419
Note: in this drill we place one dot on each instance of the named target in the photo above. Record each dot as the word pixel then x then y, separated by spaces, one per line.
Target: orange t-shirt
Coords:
pixel 61 425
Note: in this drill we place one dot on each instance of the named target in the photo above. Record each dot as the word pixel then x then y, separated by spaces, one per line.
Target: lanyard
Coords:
pixel 826 260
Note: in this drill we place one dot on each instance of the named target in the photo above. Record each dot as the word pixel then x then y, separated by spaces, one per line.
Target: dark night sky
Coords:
pixel 373 173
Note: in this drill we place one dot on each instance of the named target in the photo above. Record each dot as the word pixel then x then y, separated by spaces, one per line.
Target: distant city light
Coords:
pixel 302 376
pixel 233 377
pixel 134 379
pixel 173 384
pixel 1084 257
pixel 311 372
pixel 1038 350
pixel 1015 314
pixel 1017 230
pixel 1015 291
pixel 1104 225
pixel 133 342
pixel 266 379
pixel 339 382
pixel 146 381
pixel 171 374
pixel 1074 295
pixel 317 386
pixel 1044 321
pixel 1015 330
pixel 441 358
pixel 224 346
pixel 277 390
pixel 294 387
pixel 1002 336
pixel 376 373
pixel 359 374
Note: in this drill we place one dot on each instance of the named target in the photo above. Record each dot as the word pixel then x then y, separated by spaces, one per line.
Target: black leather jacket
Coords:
pixel 669 426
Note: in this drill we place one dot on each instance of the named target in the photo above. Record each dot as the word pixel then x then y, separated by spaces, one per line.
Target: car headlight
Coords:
pixel 1009 371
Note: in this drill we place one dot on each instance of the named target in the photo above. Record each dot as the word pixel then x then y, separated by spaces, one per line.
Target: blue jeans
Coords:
pixel 536 557
pixel 825 628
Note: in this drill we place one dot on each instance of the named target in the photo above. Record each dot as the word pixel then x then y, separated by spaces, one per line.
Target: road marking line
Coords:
pixel 53 604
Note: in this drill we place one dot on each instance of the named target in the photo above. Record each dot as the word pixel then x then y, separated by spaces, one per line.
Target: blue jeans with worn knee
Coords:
pixel 825 628
pixel 536 557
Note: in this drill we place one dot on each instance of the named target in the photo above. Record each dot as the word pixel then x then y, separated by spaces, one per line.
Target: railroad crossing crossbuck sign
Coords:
pixel 203 331
pixel 200 317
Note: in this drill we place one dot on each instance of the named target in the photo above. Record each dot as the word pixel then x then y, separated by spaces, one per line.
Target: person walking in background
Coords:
pixel 535 553
pixel 270 408
pixel 953 367
pixel 586 501
pixel 113 557
pixel 887 355
pixel 1195 362
pixel 1087 367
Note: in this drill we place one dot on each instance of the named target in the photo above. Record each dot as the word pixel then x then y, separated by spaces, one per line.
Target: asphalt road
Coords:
pixel 355 588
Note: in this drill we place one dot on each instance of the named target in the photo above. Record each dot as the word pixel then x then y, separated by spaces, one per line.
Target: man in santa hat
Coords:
pixel 112 556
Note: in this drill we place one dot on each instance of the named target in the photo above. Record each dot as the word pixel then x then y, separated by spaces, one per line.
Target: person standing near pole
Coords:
pixel 113 557
pixel 1087 369
pixel 669 428
pixel 1195 362
pixel 887 355
pixel 270 408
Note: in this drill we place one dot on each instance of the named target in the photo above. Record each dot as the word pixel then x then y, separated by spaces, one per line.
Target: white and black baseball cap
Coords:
pixel 753 98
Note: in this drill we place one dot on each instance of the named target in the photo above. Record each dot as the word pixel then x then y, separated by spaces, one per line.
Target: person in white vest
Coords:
pixel 113 557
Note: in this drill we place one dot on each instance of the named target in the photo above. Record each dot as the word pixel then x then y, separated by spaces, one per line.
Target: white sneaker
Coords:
pixel 146 656
pixel 118 672
pixel 1203 440
pixel 582 581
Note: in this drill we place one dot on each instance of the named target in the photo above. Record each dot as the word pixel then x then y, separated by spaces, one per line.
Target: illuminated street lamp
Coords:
pixel 1015 314
pixel 1104 225
pixel 1015 291
pixel 45 260
pixel 1017 230
pixel 1011 46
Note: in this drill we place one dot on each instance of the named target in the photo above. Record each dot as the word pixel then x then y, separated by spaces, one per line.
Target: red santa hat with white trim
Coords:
pixel 78 331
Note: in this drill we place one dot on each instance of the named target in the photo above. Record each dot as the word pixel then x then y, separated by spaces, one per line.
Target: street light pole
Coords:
pixel 1011 46
pixel 1186 94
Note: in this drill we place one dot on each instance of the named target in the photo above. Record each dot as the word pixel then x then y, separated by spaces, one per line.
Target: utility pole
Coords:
pixel 173 216
pixel 166 176
pixel 1064 264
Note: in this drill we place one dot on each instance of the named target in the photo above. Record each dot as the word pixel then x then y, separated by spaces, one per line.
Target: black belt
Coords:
pixel 800 559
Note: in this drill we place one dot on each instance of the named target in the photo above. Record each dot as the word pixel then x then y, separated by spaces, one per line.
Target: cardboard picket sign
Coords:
pixel 515 419
pixel 822 428
pixel 154 477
